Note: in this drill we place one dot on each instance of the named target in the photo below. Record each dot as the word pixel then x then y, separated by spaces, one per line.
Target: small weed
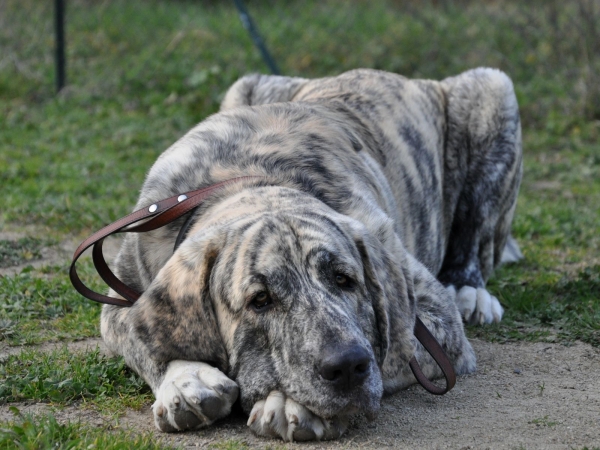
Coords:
pixel 232 444
pixel 543 422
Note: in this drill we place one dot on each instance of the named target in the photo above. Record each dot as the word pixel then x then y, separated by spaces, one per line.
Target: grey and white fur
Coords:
pixel 381 198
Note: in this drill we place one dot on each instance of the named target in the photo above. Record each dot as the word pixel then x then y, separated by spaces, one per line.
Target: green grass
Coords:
pixel 44 432
pixel 547 306
pixel 21 251
pixel 61 377
pixel 38 306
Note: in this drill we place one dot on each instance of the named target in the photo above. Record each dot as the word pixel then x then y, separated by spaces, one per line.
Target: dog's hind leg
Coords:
pixel 483 167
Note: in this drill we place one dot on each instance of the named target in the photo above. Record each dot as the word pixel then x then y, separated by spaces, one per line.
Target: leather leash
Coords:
pixel 159 214
pixel 170 209
pixel 436 351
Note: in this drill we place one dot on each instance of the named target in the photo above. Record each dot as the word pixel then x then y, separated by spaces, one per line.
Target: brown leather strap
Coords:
pixel 158 215
pixel 437 352
pixel 169 210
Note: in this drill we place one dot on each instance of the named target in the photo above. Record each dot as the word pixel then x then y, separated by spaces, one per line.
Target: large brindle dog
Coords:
pixel 371 199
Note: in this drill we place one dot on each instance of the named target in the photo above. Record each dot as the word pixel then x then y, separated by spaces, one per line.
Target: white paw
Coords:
pixel 477 306
pixel 192 395
pixel 279 416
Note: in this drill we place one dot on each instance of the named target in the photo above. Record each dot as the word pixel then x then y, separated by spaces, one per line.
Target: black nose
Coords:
pixel 345 367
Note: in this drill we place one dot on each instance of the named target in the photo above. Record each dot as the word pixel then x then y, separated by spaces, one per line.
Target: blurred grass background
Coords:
pixel 140 73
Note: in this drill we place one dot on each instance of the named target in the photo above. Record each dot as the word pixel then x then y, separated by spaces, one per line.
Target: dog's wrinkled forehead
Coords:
pixel 285 252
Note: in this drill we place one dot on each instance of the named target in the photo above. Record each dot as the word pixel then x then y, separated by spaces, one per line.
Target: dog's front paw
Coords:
pixel 477 306
pixel 280 416
pixel 192 395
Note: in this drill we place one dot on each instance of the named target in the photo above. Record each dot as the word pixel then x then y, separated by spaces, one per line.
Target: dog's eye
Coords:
pixel 261 301
pixel 343 281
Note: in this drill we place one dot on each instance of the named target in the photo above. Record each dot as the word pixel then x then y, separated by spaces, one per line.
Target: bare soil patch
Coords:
pixel 80 345
pixel 542 396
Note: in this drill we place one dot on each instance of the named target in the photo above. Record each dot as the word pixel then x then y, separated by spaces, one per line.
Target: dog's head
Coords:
pixel 283 293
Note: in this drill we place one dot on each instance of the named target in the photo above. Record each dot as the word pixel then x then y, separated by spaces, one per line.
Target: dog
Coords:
pixel 367 199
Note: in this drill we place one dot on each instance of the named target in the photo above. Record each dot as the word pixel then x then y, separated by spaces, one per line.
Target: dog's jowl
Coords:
pixel 369 199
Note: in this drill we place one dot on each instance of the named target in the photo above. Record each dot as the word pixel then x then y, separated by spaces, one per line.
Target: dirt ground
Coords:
pixel 524 395
pixel 532 396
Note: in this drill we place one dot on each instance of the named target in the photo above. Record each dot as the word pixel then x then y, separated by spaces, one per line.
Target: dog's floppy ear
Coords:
pixel 261 89
pixel 175 317
pixel 390 287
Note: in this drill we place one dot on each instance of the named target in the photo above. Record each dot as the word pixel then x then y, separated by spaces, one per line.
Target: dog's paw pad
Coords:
pixel 477 306
pixel 192 395
pixel 279 416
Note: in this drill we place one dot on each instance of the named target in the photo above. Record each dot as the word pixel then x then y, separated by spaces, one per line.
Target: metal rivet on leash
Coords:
pixel 181 198
pixel 153 208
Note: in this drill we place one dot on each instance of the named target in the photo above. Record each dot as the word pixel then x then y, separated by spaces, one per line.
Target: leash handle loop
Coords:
pixel 436 351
